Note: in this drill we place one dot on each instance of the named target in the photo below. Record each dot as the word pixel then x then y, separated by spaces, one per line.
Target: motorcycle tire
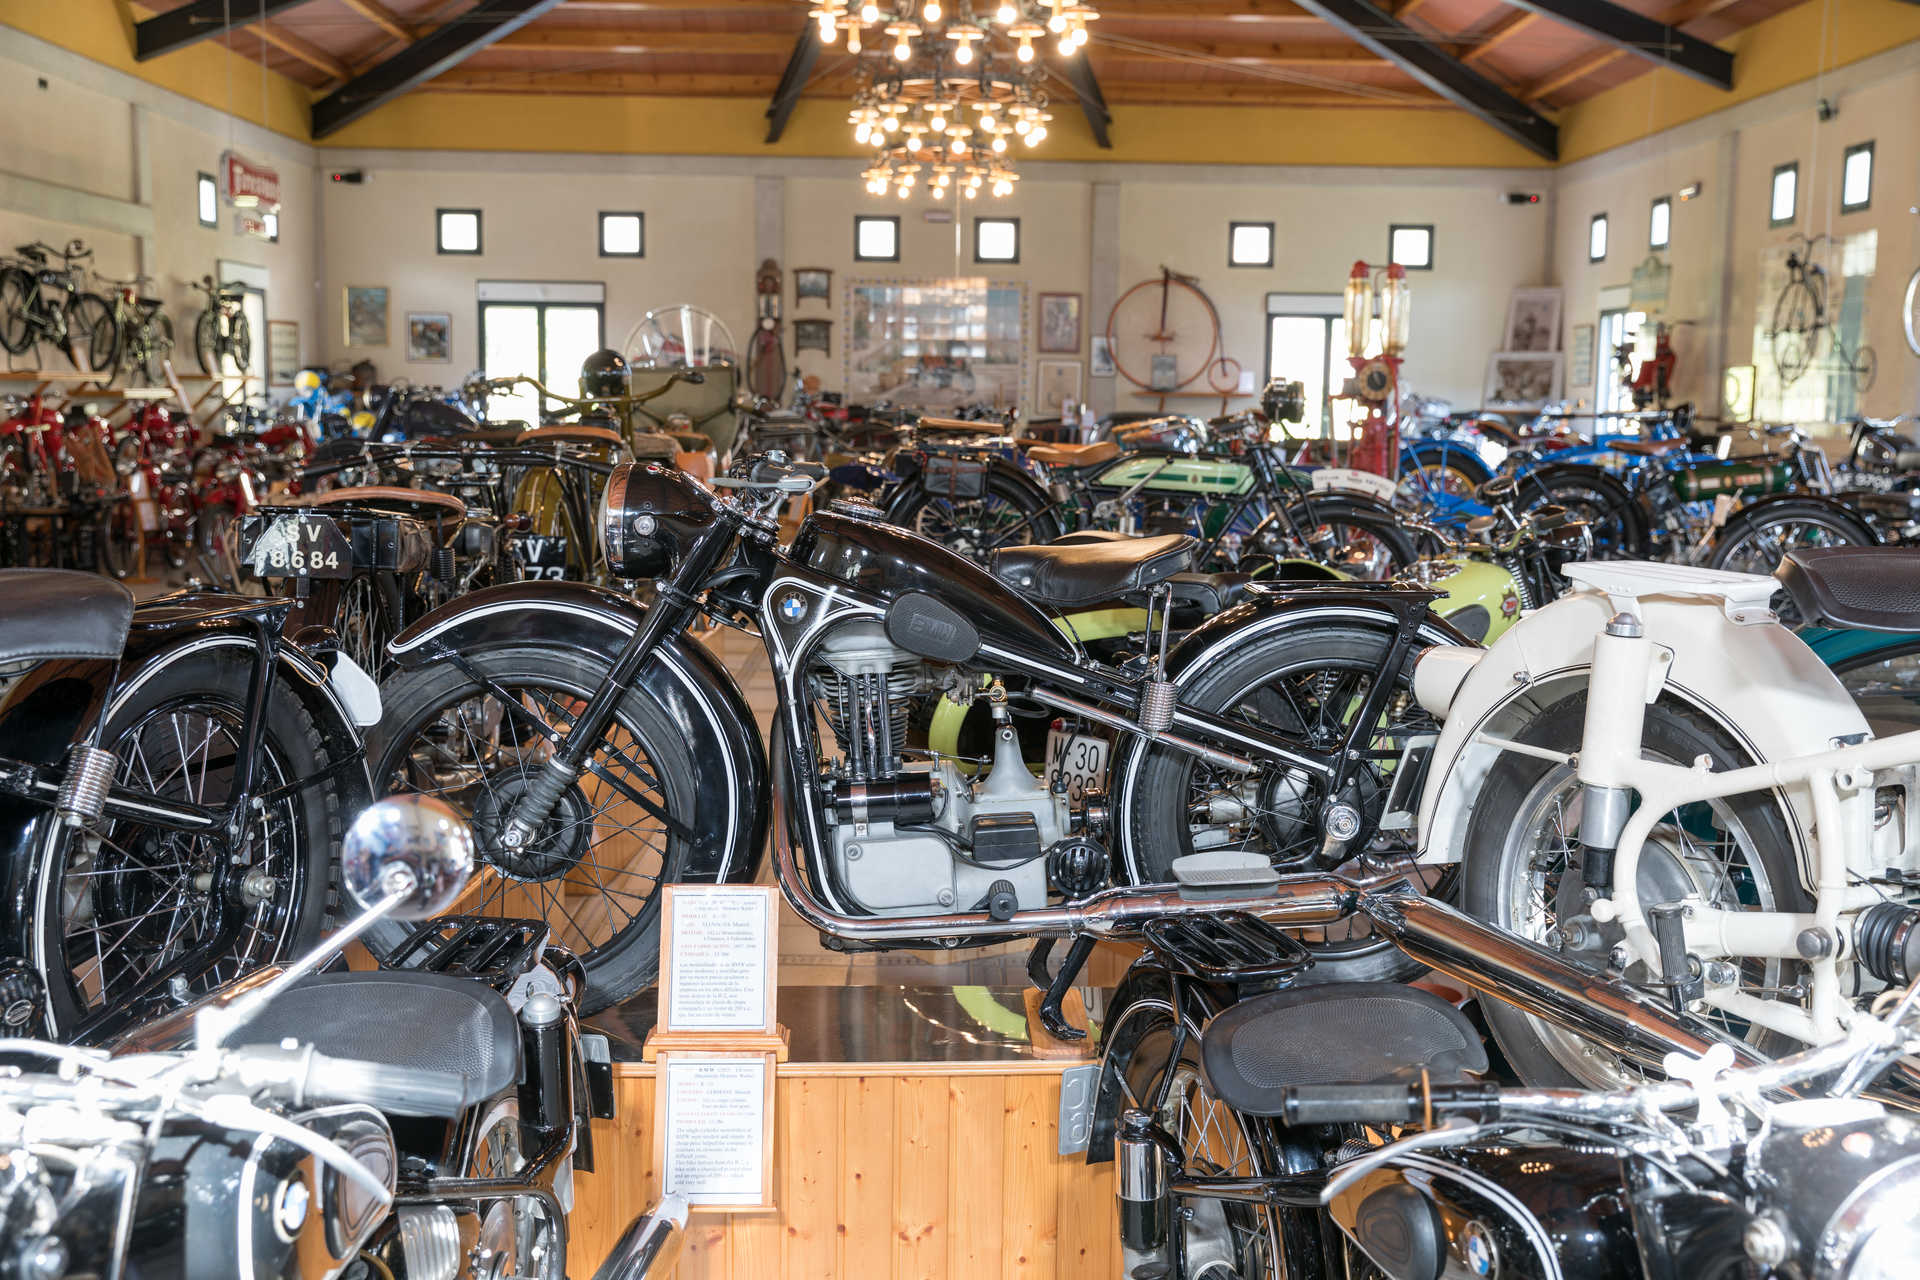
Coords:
pixel 1611 511
pixel 1755 539
pixel 156 350
pixel 1277 680
pixel 240 341
pixel 210 527
pixel 206 341
pixel 621 958
pixel 121 546
pixel 79 887
pixel 1388 546
pixel 955 523
pixel 93 336
pixel 1501 861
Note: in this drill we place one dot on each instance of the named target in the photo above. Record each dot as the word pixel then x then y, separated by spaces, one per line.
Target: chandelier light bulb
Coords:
pixel 903 50
pixel 973 192
pixel 931 11
pixel 1079 37
pixel 1036 133
pixel 862 132
pixel 1006 14
pixel 937 122
pixel 964 54
pixel 853 38
pixel 959 146
pixel 869 13
pixel 1057 23
pixel 1020 126
pixel 892 124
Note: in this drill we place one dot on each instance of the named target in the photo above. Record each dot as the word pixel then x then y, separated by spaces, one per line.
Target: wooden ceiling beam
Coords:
pixel 293 46
pixel 602 40
pixel 1246 52
pixel 1507 28
pixel 200 20
pixel 1658 42
pixel 1586 64
pixel 1256 11
pixel 384 18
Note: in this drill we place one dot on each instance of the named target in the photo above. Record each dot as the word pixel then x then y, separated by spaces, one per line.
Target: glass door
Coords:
pixel 544 340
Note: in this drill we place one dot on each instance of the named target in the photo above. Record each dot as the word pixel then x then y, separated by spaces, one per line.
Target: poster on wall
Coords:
pixel 366 312
pixel 1523 379
pixel 1059 323
pixel 934 345
pixel 1533 320
pixel 1580 357
pixel 283 352
pixel 429 337
pixel 1101 366
pixel 1057 383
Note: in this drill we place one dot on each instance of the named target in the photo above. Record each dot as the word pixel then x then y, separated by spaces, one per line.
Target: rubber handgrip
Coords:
pixel 1350 1104
pixel 405 1091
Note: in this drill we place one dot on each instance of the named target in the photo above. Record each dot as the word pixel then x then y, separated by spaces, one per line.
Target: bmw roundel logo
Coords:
pixel 792 607
pixel 1482 1258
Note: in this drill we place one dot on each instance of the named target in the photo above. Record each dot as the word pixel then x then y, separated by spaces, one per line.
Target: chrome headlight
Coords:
pixel 1874 1234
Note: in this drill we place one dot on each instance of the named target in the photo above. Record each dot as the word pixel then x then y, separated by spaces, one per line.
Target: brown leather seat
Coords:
pixel 1646 448
pixel 429 506
pixel 961 427
pixel 1074 455
pixel 571 433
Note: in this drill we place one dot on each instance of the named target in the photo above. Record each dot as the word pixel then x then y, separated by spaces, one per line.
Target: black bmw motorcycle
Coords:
pixel 600 749
pixel 172 780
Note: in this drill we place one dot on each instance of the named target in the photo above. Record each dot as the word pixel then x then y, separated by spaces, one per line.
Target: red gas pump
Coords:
pixel 1376 379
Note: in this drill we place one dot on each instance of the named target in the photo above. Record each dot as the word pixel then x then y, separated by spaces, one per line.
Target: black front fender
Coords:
pixel 729 757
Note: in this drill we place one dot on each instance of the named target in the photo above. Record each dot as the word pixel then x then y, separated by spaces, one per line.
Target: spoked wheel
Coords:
pixel 363 624
pixel 93 335
pixel 1613 515
pixel 593 870
pixel 1207 1239
pixel 122 548
pixel 1796 330
pixel 1865 367
pixel 156 349
pixel 1523 874
pixel 206 341
pixel 1757 544
pixel 1308 685
pixel 1006 514
pixel 16 327
pixel 1359 543
pixel 1910 312
pixel 125 905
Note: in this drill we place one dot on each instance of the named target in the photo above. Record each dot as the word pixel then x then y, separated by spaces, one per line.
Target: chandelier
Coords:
pixel 945 98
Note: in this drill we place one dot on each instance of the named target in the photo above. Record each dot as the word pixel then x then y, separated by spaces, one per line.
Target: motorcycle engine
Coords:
pixel 911 835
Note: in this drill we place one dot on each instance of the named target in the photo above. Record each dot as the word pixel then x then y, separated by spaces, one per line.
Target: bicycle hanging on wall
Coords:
pixel 1145 330
pixel 1800 316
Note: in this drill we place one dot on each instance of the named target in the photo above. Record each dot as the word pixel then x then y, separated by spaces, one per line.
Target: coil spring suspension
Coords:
pixel 83 792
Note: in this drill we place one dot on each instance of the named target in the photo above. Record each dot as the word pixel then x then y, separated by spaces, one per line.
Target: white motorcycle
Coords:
pixel 1655 777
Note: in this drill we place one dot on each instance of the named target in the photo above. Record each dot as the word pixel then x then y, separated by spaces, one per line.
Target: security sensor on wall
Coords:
pixel 1826 109
pixel 353 177
pixel 1523 197
pixel 1689 192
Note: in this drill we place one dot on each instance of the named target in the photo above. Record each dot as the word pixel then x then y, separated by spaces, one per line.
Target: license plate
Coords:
pixel 1078 757
pixel 543 556
pixel 299 546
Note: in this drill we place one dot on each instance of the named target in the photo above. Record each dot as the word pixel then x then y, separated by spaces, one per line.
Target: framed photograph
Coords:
pixel 283 352
pixel 1533 320
pixel 1059 323
pixel 813 335
pixel 429 337
pixel 812 282
pixel 1055 382
pixel 1524 379
pixel 1736 393
pixel 1101 365
pixel 366 312
pixel 1580 356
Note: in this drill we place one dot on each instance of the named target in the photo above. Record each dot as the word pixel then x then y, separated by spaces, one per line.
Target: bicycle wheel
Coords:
pixel 1150 319
pixel 1910 312
pixel 240 341
pixel 93 335
pixel 157 349
pixel 1796 329
pixel 16 331
pixel 1866 366
pixel 206 341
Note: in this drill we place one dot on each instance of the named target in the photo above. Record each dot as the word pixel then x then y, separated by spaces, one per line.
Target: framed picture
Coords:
pixel 812 282
pixel 813 335
pixel 429 337
pixel 1524 379
pixel 1736 393
pixel 1101 366
pixel 1580 356
pixel 1055 383
pixel 1059 322
pixel 283 352
pixel 1533 320
pixel 366 312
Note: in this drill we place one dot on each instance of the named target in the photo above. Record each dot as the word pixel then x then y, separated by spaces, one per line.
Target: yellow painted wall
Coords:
pixel 207 72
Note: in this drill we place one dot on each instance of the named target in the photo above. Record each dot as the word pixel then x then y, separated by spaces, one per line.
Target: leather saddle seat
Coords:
pixel 1074 456
pixel 572 433
pixel 1862 588
pixel 1210 593
pixel 1647 448
pixel 651 446
pixel 1087 573
pixel 1336 1033
pixel 59 614
pixel 400 1018
pixel 441 512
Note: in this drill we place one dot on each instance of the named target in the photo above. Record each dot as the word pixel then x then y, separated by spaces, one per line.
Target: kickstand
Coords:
pixel 1056 986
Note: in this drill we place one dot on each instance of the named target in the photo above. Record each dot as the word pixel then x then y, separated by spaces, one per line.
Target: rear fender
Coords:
pixel 1760 507
pixel 1760 684
pixel 1267 613
pixel 730 760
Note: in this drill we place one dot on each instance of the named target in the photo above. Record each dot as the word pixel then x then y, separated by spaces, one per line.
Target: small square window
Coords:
pixel 1784 195
pixel 1249 244
pixel 623 235
pixel 459 230
pixel 207 200
pixel 1856 178
pixel 1597 238
pixel 273 226
pixel 1411 247
pixel 876 239
pixel 996 239
pixel 1660 224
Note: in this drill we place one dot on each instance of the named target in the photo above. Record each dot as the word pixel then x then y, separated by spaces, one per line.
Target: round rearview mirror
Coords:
pixel 402 841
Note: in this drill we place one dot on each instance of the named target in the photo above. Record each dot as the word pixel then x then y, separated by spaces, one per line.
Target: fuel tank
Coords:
pixel 885 560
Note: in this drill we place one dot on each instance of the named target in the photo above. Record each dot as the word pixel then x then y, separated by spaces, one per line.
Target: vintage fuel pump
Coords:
pixel 1376 378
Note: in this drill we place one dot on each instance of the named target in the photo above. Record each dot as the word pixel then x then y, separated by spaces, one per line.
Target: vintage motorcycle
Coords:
pixel 172 785
pixel 417 1122
pixel 1656 777
pixel 601 750
pixel 1352 1130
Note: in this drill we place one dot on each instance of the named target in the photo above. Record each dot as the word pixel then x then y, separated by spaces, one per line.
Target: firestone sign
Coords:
pixel 251 186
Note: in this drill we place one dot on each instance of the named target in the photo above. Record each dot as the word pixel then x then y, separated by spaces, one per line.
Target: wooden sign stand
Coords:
pixel 716 1046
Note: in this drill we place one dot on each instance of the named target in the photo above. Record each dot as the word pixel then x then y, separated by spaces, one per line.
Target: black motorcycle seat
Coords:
pixel 1068 576
pixel 57 613
pixel 1089 537
pixel 1863 588
pixel 1907 459
pixel 400 1018
pixel 1210 593
pixel 1335 1033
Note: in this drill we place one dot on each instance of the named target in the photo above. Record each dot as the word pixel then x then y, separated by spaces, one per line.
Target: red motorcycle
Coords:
pixel 151 458
pixel 58 491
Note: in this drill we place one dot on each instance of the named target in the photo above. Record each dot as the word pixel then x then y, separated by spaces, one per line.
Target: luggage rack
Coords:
pixel 489 949
pixel 1232 946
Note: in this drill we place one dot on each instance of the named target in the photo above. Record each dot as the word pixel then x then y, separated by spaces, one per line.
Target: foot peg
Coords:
pixel 1056 986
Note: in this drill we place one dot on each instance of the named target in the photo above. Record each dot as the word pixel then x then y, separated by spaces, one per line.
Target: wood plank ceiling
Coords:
pixel 1142 51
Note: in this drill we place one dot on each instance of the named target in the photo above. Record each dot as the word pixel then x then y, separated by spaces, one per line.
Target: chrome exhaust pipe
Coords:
pixel 650 1247
pixel 1112 913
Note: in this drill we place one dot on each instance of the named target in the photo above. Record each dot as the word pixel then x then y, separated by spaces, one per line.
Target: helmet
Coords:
pixel 604 373
pixel 306 380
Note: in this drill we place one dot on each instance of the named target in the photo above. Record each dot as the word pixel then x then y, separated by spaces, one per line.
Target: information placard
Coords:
pixel 717 958
pixel 715 1128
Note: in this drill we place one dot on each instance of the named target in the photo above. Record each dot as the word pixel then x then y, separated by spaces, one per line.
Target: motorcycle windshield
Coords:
pixel 679 337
